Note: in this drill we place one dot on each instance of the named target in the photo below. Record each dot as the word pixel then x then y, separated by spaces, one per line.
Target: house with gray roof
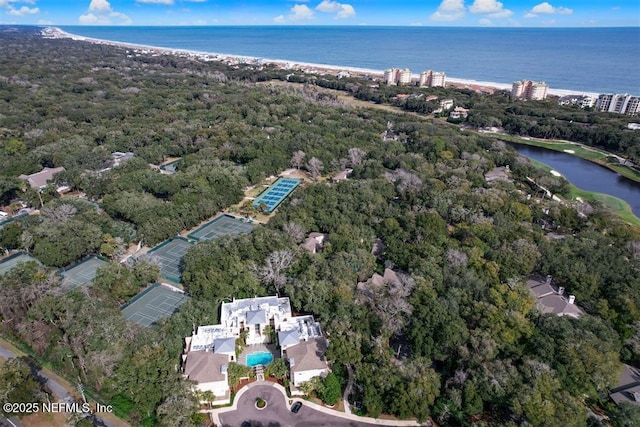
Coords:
pixel 314 242
pixel 208 371
pixel 551 299
pixel 628 389
pixel 225 346
pixel 288 338
pixel 306 361
pixel 40 179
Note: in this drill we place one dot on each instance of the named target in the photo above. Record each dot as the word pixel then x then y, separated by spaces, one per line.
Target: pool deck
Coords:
pixel 257 348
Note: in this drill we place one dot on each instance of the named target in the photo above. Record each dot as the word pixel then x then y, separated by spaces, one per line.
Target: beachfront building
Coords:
pixel 404 77
pixel 582 101
pixel 528 89
pixel 391 76
pixel 257 320
pixel 395 76
pixel 619 103
pixel 432 79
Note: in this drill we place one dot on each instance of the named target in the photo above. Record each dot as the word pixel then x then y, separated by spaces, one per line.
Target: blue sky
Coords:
pixel 528 13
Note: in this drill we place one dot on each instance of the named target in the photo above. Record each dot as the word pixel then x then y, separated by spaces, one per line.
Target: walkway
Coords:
pixel 243 410
pixel 347 390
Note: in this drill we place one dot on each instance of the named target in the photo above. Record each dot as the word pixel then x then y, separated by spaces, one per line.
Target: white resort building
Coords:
pixel 527 89
pixel 432 79
pixel 211 348
pixel 618 103
pixel 395 76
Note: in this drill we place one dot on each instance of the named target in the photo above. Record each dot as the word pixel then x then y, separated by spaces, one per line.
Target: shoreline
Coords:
pixel 56 32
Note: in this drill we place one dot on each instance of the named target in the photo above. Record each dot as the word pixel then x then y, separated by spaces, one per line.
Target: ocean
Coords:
pixel 602 60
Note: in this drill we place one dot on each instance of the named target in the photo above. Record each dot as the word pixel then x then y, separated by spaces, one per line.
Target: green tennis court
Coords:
pixel 275 194
pixel 222 225
pixel 81 273
pixel 157 302
pixel 169 256
pixel 12 261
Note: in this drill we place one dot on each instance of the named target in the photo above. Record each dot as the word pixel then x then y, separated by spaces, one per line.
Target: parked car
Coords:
pixel 296 407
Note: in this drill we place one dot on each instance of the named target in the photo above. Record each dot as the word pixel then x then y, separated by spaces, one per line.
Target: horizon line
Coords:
pixel 322 26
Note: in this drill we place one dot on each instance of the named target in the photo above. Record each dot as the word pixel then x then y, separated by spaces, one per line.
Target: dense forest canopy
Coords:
pixel 458 339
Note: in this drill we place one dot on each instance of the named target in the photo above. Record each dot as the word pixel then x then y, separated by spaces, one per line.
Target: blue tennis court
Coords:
pixel 275 194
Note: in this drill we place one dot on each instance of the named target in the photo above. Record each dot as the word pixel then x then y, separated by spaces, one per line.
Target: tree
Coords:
pixel 356 156
pixel 274 265
pixel 278 369
pixel 295 231
pixel 18 384
pixel 236 372
pixel 315 168
pixel 297 159
pixel 329 390
pixel 625 415
pixel 180 408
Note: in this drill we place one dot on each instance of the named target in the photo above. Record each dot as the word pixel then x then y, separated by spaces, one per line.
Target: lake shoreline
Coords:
pixel 569 147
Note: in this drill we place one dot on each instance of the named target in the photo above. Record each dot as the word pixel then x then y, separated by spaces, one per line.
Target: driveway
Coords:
pixel 277 412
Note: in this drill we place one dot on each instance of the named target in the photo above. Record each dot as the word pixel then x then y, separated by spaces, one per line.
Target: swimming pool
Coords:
pixel 260 358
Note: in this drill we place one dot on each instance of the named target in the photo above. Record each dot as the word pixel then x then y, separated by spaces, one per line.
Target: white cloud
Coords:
pixel 88 19
pixel 19 11
pixel 24 10
pixel 485 6
pixel 492 8
pixel 99 6
pixel 125 19
pixel 101 12
pixel 300 12
pixel 279 19
pixel 545 8
pixel 167 2
pixel 449 10
pixel 346 11
pixel 342 10
pixel 328 6
pixel 486 22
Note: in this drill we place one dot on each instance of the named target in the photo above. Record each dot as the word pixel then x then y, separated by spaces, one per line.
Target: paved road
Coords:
pixel 58 390
pixel 278 414
pixel 12 422
pixel 5 353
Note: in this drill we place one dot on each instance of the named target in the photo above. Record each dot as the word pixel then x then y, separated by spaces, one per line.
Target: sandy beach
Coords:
pixel 484 86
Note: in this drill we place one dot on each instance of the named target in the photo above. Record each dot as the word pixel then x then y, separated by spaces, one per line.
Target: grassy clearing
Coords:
pixel 619 206
pixel 594 155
